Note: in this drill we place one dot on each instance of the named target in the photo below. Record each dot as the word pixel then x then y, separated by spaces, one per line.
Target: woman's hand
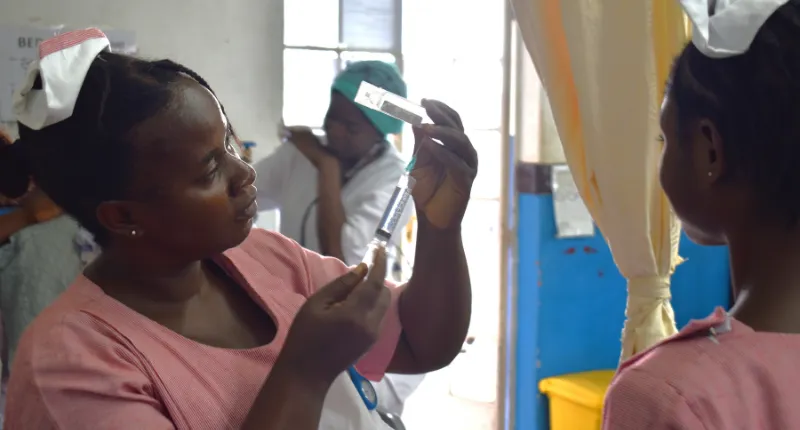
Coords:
pixel 444 173
pixel 339 323
pixel 330 332
pixel 308 144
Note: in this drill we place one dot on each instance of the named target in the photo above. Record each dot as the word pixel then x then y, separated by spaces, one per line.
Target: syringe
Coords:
pixel 409 112
pixel 392 214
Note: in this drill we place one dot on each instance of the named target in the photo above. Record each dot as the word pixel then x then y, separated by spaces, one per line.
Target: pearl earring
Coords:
pixel 709 173
pixel 134 233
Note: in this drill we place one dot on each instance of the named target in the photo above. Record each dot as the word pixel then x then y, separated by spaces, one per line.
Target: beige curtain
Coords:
pixel 603 65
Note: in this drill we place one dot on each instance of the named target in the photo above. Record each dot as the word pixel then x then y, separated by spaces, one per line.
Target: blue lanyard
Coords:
pixel 364 388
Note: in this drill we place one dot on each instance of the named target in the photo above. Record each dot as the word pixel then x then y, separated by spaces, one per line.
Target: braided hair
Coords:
pixel 86 159
pixel 753 99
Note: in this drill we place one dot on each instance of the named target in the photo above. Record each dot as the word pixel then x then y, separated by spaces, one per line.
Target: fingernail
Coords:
pixel 360 270
pixel 379 252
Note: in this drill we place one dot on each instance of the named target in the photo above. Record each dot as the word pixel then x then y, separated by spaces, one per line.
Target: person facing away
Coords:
pixel 331 196
pixel 189 318
pixel 730 167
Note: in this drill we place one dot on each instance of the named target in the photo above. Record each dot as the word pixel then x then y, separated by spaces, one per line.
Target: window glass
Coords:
pixel 307 78
pixel 318 29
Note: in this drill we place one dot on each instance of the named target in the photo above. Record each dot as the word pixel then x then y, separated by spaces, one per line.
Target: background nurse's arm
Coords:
pixel 35 207
pixel 272 174
pixel 330 211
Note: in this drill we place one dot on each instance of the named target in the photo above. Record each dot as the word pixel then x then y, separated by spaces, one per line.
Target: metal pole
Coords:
pixel 506 350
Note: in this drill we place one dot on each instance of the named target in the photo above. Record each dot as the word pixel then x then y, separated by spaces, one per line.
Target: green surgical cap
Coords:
pixel 380 74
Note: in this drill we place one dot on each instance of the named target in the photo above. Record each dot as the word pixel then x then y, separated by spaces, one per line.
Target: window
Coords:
pixel 307 81
pixel 320 44
pixel 317 29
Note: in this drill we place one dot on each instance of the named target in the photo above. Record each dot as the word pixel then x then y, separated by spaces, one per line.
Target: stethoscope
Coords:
pixel 364 387
pixel 371 156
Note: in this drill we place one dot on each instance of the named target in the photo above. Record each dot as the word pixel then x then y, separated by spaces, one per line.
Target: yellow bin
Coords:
pixel 576 400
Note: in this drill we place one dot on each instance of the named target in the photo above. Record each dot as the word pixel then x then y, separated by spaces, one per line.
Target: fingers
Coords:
pixel 364 297
pixel 378 271
pixel 441 114
pixel 341 287
pixel 372 298
pixel 447 128
pixel 374 317
pixel 449 158
pixel 454 140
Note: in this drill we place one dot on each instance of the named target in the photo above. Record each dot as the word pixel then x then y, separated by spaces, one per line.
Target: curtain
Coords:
pixel 603 65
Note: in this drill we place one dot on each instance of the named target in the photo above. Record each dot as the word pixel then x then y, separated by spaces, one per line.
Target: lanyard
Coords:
pixel 364 388
pixel 371 156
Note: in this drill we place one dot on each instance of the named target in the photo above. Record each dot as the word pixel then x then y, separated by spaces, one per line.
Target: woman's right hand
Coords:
pixel 339 323
pixel 330 332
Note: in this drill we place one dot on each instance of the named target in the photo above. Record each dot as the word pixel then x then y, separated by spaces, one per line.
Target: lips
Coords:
pixel 249 211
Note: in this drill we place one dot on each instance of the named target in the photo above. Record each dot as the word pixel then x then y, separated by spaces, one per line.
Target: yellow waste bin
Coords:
pixel 576 400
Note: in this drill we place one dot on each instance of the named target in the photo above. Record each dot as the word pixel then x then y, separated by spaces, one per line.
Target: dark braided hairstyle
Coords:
pixel 754 101
pixel 86 159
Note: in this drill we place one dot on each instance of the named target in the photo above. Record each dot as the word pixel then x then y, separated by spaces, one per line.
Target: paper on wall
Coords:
pixel 571 215
pixel 19 45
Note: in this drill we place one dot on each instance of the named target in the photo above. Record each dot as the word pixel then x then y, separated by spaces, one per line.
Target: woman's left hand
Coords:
pixel 444 173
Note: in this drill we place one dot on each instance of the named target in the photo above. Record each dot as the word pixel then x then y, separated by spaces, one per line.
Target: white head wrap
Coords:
pixel 63 64
pixel 725 28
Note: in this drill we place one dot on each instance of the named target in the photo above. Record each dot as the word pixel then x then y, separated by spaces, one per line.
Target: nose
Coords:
pixel 242 177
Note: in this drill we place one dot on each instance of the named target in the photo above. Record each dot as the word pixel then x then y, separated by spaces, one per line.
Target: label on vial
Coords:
pixel 394 210
pixel 400 113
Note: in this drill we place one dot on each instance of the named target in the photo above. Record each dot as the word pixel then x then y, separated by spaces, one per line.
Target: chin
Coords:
pixel 247 227
pixel 700 237
pixel 239 234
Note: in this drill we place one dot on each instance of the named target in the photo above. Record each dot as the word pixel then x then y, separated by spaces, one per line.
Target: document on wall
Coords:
pixel 19 45
pixel 122 41
pixel 571 214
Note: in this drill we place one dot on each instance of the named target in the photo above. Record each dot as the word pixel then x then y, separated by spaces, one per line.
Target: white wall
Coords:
pixel 236 45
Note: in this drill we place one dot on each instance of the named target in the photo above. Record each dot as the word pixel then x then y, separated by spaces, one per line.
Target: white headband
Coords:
pixel 63 64
pixel 725 28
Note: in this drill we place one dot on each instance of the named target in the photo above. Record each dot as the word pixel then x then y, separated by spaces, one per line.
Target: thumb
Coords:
pixel 338 289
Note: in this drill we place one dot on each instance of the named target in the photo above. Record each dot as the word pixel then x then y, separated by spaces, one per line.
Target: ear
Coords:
pixel 709 156
pixel 117 217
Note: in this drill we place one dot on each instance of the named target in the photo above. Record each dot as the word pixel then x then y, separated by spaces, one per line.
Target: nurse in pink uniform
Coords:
pixel 189 318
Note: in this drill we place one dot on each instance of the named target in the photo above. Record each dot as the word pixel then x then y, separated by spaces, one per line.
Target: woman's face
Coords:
pixel 687 172
pixel 350 134
pixel 191 195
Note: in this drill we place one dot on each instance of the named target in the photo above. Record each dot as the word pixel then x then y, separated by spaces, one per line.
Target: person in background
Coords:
pixel 39 256
pixel 730 167
pixel 189 318
pixel 331 190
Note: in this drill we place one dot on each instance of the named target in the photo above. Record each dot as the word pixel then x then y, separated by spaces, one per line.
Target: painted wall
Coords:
pixel 571 302
pixel 236 46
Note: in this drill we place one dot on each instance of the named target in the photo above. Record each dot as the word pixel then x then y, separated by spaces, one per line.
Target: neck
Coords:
pixel 127 278
pixel 765 269
pixel 365 157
